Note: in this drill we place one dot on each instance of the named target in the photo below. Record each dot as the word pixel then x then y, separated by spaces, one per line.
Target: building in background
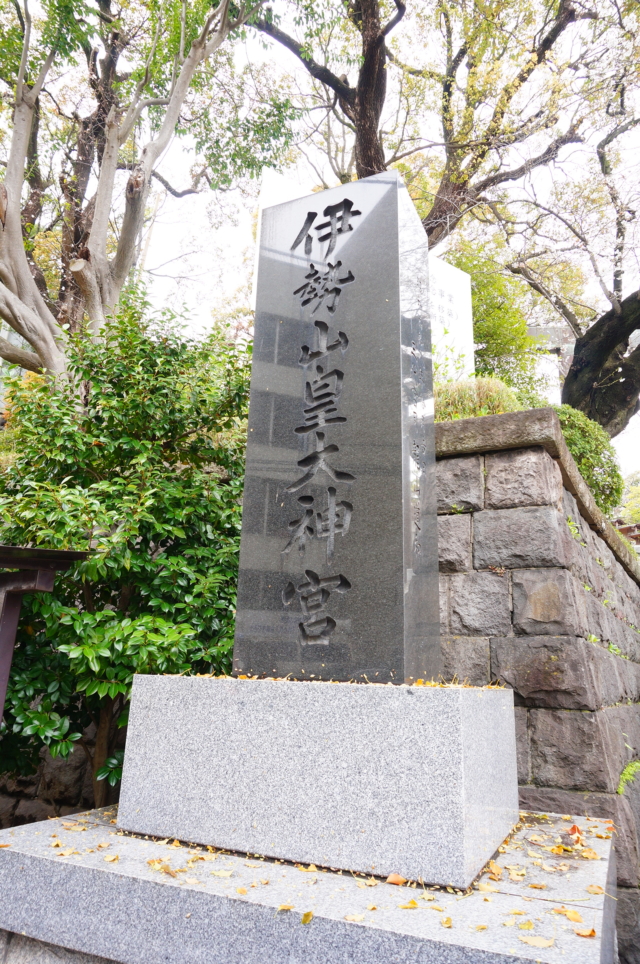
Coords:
pixel 451 321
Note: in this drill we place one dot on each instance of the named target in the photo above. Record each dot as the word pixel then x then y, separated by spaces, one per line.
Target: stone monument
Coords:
pixel 338 563
pixel 353 764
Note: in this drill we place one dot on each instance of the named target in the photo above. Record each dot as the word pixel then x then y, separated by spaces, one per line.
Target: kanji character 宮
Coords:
pixel 314 595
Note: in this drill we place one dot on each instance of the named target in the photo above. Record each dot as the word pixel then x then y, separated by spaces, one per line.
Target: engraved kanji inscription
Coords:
pixel 314 593
pixel 321 396
pixel 320 285
pixel 329 522
pixel 339 222
pixel 308 355
pixel 333 521
pixel 317 462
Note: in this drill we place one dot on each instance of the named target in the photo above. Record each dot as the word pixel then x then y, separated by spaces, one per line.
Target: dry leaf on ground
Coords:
pixel 307 917
pixel 589 854
pixel 111 858
pixel 411 905
pixel 192 880
pixel 537 941
pixel 372 907
pixel 354 918
pixel 446 922
pixel 285 907
pixel 538 886
pixel 396 879
pixel 585 932
pixel 67 852
pixel 481 927
pixel 221 873
pixel 526 925
pixel 487 889
pixel 595 889
pixel 241 890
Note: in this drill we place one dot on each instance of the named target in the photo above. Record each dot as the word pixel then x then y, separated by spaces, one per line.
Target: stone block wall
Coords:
pixel 532 596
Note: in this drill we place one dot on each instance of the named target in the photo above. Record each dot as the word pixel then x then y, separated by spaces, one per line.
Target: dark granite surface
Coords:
pixel 338 564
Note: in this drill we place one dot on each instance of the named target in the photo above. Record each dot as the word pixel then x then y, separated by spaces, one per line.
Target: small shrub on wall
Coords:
pixel 594 454
pixel 471 397
pixel 140 457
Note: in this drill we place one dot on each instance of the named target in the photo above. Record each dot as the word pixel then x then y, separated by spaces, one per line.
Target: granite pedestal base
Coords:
pixel 93 894
pixel 419 781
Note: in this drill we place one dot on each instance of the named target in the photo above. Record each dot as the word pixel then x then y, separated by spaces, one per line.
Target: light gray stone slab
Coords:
pixel 414 780
pixel 131 911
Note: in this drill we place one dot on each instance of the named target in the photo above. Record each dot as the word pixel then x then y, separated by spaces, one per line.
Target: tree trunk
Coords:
pixel 603 380
pixel 102 751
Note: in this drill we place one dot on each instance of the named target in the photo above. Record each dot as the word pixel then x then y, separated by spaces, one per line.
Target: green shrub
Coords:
pixel 594 455
pixel 140 457
pixel 471 397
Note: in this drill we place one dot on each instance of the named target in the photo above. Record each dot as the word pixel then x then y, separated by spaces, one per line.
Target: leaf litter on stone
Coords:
pixel 537 941
pixel 307 917
pixel 595 889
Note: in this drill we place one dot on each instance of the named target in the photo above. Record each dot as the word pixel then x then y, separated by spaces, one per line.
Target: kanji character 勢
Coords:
pixel 323 284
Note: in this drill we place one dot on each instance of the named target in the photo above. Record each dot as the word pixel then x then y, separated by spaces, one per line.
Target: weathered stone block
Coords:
pixel 560 672
pixel 548 602
pixel 479 604
pixel 31 811
pixel 444 604
pixel 523 750
pixel 530 537
pixel 17 949
pixel 454 542
pixel 460 484
pixel 611 806
pixel 628 924
pixel 467 659
pixel 521 477
pixel 576 750
pixel 7 809
pixel 414 780
pixel 63 778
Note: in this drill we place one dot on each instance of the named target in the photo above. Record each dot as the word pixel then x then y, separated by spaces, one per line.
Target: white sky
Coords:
pixel 201 247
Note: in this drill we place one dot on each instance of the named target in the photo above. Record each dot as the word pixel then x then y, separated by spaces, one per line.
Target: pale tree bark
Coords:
pixel 96 278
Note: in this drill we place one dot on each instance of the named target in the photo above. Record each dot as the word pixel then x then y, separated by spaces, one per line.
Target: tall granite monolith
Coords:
pixel 338 562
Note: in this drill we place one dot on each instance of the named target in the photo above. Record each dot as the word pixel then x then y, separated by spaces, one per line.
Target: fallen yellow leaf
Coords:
pixel 487 889
pixel 526 925
pixel 437 907
pixel 531 853
pixel 192 880
pixel 409 906
pixel 111 858
pixel 241 890
pixel 535 838
pixel 354 918
pixel 285 907
pixel 446 922
pixel 176 843
pixel 427 897
pixel 509 923
pixel 589 854
pixel 595 889
pixel 307 917
pixel 371 882
pixel 516 913
pixel 221 873
pixel 3 845
pixel 103 846
pixel 264 881
pixel 584 932
pixel 67 852
pixel 372 907
pixel 537 941
pixel 538 886
pixel 481 927
pixel 574 917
